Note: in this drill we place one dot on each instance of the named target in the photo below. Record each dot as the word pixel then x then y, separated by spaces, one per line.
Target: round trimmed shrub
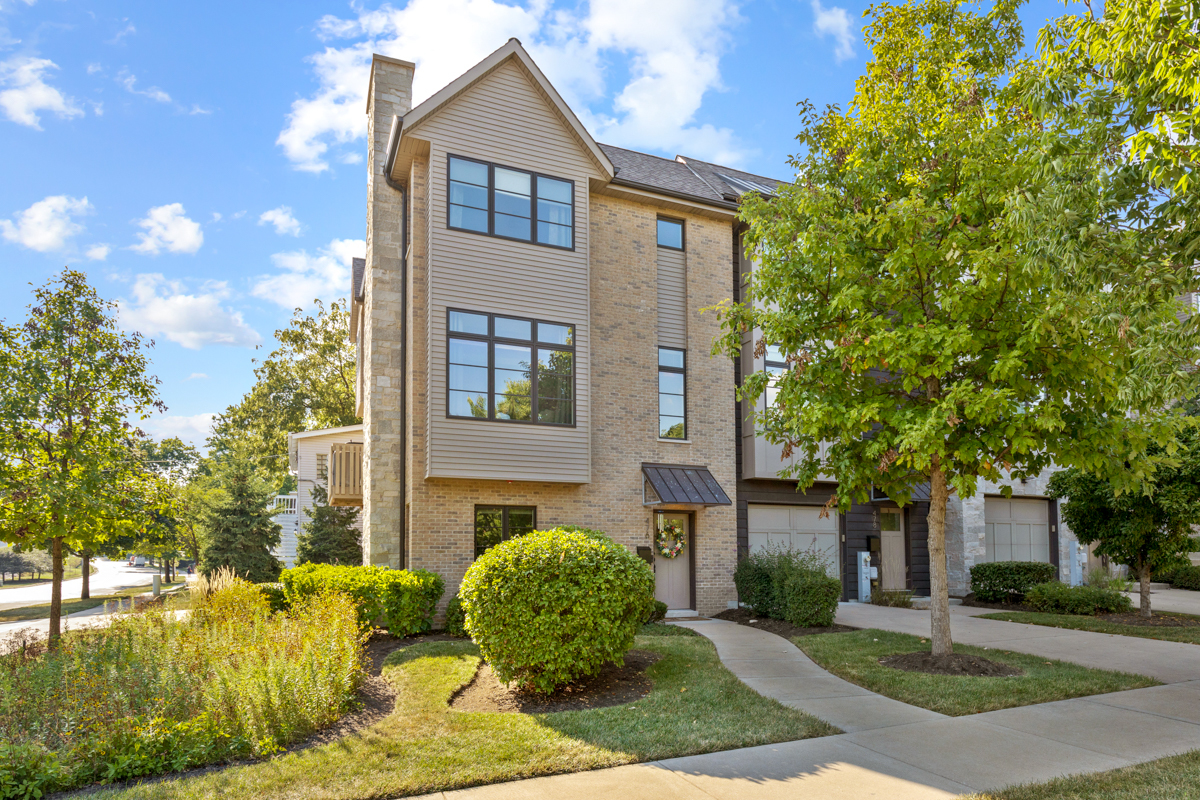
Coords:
pixel 1058 598
pixel 553 606
pixel 1008 581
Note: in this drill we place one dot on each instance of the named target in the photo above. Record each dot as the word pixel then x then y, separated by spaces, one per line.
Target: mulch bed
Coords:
pixel 615 685
pixel 778 627
pixel 954 664
pixel 1159 620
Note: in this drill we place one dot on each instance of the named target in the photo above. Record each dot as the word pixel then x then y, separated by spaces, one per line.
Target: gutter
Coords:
pixel 672 193
pixel 389 162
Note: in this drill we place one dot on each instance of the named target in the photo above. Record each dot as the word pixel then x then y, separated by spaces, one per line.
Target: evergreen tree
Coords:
pixel 329 536
pixel 241 532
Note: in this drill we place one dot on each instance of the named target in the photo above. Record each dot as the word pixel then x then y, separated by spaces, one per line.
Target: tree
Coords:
pixel 171 458
pixel 241 533
pixel 72 381
pixel 329 536
pixel 307 383
pixel 1148 530
pixel 930 339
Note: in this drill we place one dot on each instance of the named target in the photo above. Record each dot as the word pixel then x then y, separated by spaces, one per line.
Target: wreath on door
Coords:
pixel 671 538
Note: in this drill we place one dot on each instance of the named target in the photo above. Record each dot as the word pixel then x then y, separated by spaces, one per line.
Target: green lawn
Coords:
pixel 1174 778
pixel 1083 623
pixel 42 611
pixel 696 706
pixel 855 657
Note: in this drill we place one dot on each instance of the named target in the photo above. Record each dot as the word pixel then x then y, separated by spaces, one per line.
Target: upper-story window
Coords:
pixel 510 369
pixel 776 365
pixel 511 203
pixel 672 394
pixel 670 233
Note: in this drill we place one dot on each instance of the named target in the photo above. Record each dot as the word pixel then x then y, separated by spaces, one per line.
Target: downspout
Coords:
pixel 393 140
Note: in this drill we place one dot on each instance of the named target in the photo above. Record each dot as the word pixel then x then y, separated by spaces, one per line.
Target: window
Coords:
pixel 323 466
pixel 510 369
pixel 511 203
pixel 670 233
pixel 776 365
pixel 672 397
pixel 496 524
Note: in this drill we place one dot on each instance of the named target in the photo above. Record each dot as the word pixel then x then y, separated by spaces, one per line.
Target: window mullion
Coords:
pixel 491 200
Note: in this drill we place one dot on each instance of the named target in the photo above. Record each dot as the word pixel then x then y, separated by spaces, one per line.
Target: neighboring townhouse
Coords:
pixel 309 462
pixel 533 352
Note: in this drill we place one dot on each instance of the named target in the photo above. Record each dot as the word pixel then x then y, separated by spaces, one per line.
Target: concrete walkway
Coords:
pixel 1183 601
pixel 906 753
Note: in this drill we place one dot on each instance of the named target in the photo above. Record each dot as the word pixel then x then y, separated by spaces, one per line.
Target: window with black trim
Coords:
pixel 496 524
pixel 775 364
pixel 672 394
pixel 670 233
pixel 511 203
pixel 510 369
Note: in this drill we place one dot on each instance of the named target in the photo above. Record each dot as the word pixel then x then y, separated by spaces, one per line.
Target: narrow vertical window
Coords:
pixel 672 395
pixel 775 365
pixel 468 195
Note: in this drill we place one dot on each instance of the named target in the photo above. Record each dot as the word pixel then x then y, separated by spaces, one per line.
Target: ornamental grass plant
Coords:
pixel 152 693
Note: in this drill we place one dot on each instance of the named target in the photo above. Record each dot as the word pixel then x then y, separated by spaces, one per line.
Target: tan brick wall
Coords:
pixel 625 407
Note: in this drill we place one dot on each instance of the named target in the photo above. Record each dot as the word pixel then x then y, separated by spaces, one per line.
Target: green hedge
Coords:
pixel 1008 581
pixel 397 599
pixel 276 595
pixel 552 606
pixel 1186 578
pixel 810 599
pixel 455 619
pixel 761 578
pixel 1058 598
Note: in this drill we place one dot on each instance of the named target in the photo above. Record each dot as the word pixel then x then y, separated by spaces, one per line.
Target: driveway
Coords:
pixel 110 576
pixel 1182 601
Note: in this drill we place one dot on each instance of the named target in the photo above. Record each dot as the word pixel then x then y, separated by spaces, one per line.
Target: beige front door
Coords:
pixel 893 577
pixel 673 576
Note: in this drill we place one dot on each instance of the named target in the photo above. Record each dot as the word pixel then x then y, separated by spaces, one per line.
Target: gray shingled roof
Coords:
pixel 684 176
pixel 357 267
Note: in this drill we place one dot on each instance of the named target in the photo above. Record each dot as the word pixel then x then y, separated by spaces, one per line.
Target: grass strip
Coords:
pixel 42 610
pixel 1173 778
pixel 855 657
pixel 1190 635
pixel 696 706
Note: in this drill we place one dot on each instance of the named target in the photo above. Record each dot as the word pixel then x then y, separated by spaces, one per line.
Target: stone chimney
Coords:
pixel 381 337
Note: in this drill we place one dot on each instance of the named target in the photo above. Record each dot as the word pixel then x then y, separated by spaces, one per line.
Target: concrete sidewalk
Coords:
pixel 931 756
pixel 1169 662
pixel 1183 601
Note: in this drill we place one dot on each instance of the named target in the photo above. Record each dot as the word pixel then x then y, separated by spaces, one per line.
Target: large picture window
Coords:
pixel 672 394
pixel 496 524
pixel 511 203
pixel 510 369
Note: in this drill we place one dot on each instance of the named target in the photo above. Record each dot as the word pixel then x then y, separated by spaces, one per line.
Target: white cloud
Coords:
pixel 303 277
pixel 26 93
pixel 195 109
pixel 196 376
pixel 671 50
pixel 834 21
pixel 47 224
pixel 121 34
pixel 282 219
pixel 193 319
pixel 92 69
pixel 129 81
pixel 168 228
pixel 216 216
pixel 98 252
pixel 194 429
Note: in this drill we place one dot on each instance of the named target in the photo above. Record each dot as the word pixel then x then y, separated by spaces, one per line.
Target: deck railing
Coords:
pixel 345 474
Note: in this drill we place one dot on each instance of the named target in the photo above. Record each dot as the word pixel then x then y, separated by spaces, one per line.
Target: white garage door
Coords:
pixel 797 527
pixel 1017 530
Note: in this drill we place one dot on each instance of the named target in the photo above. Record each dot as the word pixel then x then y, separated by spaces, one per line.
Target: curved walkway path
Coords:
pixel 900 752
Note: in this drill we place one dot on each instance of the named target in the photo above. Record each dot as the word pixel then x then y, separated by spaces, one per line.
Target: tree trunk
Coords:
pixel 86 592
pixel 1144 586
pixel 56 556
pixel 939 588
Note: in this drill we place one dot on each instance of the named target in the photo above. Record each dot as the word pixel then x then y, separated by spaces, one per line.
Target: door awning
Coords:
pixel 676 484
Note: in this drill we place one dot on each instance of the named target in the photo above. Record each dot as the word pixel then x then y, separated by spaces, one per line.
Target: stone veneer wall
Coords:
pixel 624 411
pixel 383 296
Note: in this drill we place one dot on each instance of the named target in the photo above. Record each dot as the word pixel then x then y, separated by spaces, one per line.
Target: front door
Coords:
pixel 673 576
pixel 893 577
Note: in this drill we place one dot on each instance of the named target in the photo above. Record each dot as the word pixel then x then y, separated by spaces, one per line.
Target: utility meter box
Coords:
pixel 865 573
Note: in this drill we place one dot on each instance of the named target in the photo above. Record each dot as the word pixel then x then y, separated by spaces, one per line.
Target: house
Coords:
pixel 309 454
pixel 532 352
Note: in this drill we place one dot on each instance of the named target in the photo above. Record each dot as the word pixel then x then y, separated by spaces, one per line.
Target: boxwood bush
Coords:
pixel 553 606
pixel 810 599
pixel 782 583
pixel 396 599
pixel 1058 598
pixel 1008 581
pixel 1186 578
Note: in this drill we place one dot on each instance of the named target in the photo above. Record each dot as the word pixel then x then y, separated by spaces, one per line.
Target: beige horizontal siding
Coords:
pixel 672 298
pixel 505 120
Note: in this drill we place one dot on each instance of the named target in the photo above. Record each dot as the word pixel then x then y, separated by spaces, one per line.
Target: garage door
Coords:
pixel 797 527
pixel 1017 530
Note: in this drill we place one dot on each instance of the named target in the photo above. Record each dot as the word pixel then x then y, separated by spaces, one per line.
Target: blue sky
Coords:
pixel 204 163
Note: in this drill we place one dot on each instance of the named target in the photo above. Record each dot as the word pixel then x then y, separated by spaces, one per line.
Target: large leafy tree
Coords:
pixel 240 531
pixel 70 474
pixel 307 383
pixel 1148 530
pixel 930 339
